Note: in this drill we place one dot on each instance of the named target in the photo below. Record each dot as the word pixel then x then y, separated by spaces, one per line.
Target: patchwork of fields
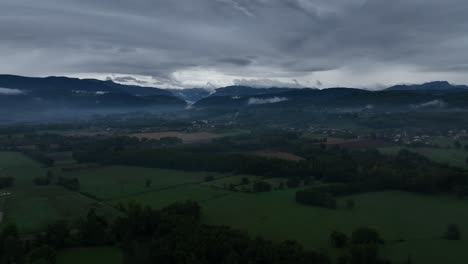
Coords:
pixel 33 207
pixel 407 222
pixel 119 182
pixel 193 137
pixel 397 216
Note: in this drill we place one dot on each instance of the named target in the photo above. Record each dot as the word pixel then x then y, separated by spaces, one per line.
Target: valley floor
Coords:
pixel 411 224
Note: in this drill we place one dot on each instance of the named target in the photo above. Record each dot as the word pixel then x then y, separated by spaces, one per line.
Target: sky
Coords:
pixel 261 43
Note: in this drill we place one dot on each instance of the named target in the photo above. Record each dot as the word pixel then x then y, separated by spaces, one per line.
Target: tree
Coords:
pixel 338 239
pixel 148 183
pixel 43 255
pixel 261 186
pixel 452 232
pixel 57 234
pixel 293 183
pixel 457 144
pixel 41 181
pixel 364 254
pixel 409 260
pixel 281 186
pixel 6 182
pixel 11 250
pixel 365 235
pixel 209 178
pixel 350 204
pixel 71 184
pixel 245 181
pixel 175 235
pixel 93 229
pixel 343 259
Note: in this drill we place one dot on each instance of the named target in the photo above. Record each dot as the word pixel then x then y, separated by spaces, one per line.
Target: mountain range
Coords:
pixel 30 93
pixel 33 95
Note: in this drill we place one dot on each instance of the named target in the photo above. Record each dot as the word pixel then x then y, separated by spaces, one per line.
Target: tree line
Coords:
pixel 358 171
pixel 144 235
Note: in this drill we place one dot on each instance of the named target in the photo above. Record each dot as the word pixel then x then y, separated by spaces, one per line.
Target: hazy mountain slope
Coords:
pixel 190 94
pixel 61 94
pixel 342 98
pixel 30 84
pixel 245 90
pixel 440 86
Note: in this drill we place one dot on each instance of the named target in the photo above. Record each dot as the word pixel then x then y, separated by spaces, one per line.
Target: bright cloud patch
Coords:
pixel 433 103
pixel 272 100
pixel 8 91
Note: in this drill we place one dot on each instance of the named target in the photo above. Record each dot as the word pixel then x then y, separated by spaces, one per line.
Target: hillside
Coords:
pixel 27 95
pixel 394 98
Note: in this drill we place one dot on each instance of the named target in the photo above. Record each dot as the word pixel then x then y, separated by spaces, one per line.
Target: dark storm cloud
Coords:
pixel 240 38
pixel 236 61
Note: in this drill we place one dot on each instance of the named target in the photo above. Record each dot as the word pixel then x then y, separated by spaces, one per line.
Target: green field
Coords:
pixel 120 182
pixel 62 158
pixel 23 169
pixel 15 159
pixel 417 220
pixel 98 255
pixel 33 207
pixel 234 181
pixel 446 142
pixel 159 199
pixel 397 215
pixel 450 156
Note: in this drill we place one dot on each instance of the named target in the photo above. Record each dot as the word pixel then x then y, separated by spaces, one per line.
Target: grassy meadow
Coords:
pixel 397 216
pixel 406 221
pixel 120 182
pixel 412 224
pixel 23 169
pixel 32 207
pixel 97 255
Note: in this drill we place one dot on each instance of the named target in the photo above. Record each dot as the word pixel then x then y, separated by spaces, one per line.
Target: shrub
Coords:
pixel 338 239
pixel 43 254
pixel 245 181
pixel 261 187
pixel 71 184
pixel 350 204
pixel 209 178
pixel 6 182
pixel 293 183
pixel 366 235
pixel 452 232
pixel 41 181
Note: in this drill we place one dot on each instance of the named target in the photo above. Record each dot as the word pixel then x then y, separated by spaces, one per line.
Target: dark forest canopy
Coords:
pixel 361 170
pixel 171 235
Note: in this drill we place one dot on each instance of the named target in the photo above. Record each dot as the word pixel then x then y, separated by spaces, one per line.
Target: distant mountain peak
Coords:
pixel 439 86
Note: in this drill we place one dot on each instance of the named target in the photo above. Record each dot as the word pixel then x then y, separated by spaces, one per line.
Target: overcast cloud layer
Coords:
pixel 183 43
